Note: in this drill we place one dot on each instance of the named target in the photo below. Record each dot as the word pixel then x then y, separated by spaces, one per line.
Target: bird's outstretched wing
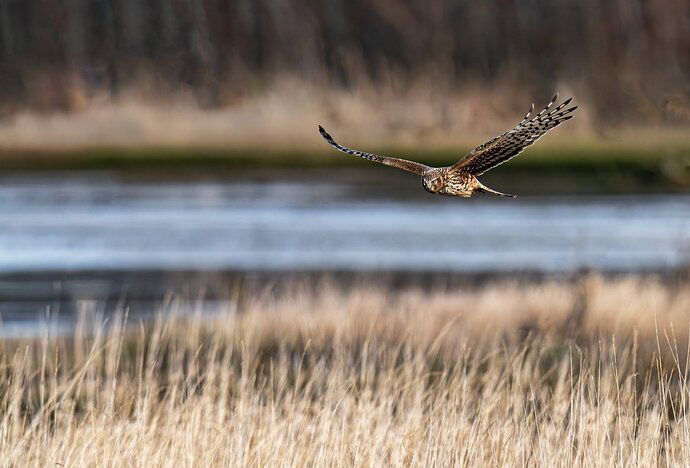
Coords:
pixel 404 164
pixel 510 144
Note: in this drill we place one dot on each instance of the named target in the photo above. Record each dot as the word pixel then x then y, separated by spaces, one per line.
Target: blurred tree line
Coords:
pixel 633 55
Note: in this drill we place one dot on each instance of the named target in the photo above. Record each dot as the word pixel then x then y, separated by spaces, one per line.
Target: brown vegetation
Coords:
pixel 628 59
pixel 551 374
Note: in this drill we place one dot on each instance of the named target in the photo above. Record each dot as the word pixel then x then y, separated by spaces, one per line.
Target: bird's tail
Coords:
pixel 485 189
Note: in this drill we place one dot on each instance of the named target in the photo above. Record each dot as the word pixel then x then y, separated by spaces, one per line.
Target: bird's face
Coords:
pixel 433 183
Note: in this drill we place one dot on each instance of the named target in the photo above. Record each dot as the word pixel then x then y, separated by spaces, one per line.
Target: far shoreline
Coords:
pixel 544 169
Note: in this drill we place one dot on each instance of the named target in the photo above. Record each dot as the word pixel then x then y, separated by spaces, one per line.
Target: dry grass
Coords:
pixel 287 114
pixel 554 374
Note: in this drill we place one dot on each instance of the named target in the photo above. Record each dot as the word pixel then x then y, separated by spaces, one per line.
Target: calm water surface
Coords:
pixel 325 220
pixel 304 220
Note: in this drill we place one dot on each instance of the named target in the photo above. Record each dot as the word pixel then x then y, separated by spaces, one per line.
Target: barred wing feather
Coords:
pixel 404 164
pixel 510 144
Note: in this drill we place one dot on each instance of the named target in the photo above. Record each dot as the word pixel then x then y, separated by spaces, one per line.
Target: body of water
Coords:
pixel 97 243
pixel 329 221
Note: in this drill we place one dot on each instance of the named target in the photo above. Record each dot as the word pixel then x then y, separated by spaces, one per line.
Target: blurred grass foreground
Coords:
pixel 509 374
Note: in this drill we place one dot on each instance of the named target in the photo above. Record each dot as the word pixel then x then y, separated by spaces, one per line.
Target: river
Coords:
pixel 103 222
pixel 71 239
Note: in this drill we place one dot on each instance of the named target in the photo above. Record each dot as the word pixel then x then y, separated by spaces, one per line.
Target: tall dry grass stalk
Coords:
pixel 509 374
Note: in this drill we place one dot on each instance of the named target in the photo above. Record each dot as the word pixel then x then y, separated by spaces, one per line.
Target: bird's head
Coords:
pixel 432 182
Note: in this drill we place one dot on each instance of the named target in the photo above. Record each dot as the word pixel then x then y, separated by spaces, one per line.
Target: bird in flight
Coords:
pixel 460 179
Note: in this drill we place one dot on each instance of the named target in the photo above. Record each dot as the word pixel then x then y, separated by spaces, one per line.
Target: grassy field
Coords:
pixel 585 373
pixel 277 129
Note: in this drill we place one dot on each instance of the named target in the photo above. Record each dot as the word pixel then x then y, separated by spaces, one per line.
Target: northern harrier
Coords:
pixel 460 179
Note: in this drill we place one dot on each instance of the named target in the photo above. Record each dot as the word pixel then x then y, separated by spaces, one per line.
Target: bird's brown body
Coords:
pixel 442 181
pixel 460 179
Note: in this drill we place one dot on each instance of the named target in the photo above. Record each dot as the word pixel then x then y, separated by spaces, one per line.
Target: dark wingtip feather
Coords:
pixel 531 109
pixel 547 106
pixel 325 134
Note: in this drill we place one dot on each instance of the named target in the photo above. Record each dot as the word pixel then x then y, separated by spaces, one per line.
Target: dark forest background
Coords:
pixel 630 58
